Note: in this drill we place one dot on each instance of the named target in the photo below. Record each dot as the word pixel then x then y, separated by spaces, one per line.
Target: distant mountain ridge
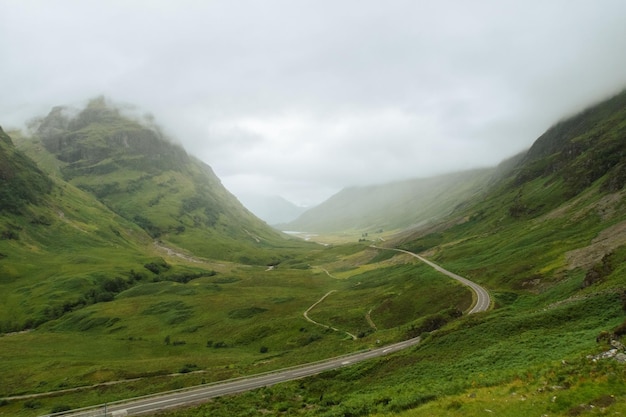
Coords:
pixel 273 210
pixel 393 206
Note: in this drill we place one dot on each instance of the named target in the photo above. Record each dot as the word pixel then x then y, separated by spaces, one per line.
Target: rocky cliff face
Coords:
pixel 100 133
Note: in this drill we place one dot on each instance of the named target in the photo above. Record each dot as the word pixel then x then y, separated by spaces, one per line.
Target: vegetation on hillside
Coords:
pixel 140 174
pixel 581 150
pixel 393 206
pixel 547 239
pixel 21 181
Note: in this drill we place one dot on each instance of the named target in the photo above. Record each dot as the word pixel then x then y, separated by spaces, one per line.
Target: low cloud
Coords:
pixel 301 99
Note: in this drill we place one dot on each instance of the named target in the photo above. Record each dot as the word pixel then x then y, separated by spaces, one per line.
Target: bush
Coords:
pixel 150 228
pixel 60 408
pixel 188 367
pixel 32 404
pixel 157 266
pixel 620 330
pixel 9 235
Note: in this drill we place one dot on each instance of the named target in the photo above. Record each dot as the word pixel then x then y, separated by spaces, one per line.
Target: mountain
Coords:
pixel 393 206
pixel 60 248
pixel 272 209
pixel 581 150
pixel 140 174
pixel 94 203
pixel 21 181
pixel 559 207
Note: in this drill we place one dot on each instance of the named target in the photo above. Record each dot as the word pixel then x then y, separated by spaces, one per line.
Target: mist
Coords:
pixel 301 99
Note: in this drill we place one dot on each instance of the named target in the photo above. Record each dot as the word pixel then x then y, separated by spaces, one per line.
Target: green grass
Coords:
pixel 216 323
pixel 511 361
pixel 219 323
pixel 527 356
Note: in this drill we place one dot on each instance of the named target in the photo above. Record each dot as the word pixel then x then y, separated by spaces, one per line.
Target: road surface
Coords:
pixel 483 300
pixel 197 395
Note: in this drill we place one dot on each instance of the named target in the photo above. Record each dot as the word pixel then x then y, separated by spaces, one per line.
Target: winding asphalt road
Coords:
pixel 483 300
pixel 200 394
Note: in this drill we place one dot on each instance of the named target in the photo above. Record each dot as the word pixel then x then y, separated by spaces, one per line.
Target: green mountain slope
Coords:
pixel 392 206
pixel 59 246
pixel 564 195
pixel 96 203
pixel 62 250
pixel 142 176
pixel 21 182
pixel 581 150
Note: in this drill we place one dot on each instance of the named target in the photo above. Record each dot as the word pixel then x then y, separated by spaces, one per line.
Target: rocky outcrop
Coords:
pixel 617 352
pixel 99 133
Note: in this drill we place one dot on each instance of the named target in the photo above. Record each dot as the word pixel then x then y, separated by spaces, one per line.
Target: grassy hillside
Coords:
pixel 96 203
pixel 547 239
pixel 21 182
pixel 392 206
pixel 141 175
pixel 240 321
pixel 63 250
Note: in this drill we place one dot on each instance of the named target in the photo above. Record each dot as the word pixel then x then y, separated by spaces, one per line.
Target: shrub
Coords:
pixel 245 313
pixel 60 408
pixel 157 266
pixel 9 235
pixel 188 367
pixel 620 330
pixel 32 404
pixel 145 223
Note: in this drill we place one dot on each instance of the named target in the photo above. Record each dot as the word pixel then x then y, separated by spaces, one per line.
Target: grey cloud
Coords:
pixel 303 98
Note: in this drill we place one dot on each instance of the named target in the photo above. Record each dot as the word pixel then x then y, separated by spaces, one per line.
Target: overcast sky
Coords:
pixel 302 98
